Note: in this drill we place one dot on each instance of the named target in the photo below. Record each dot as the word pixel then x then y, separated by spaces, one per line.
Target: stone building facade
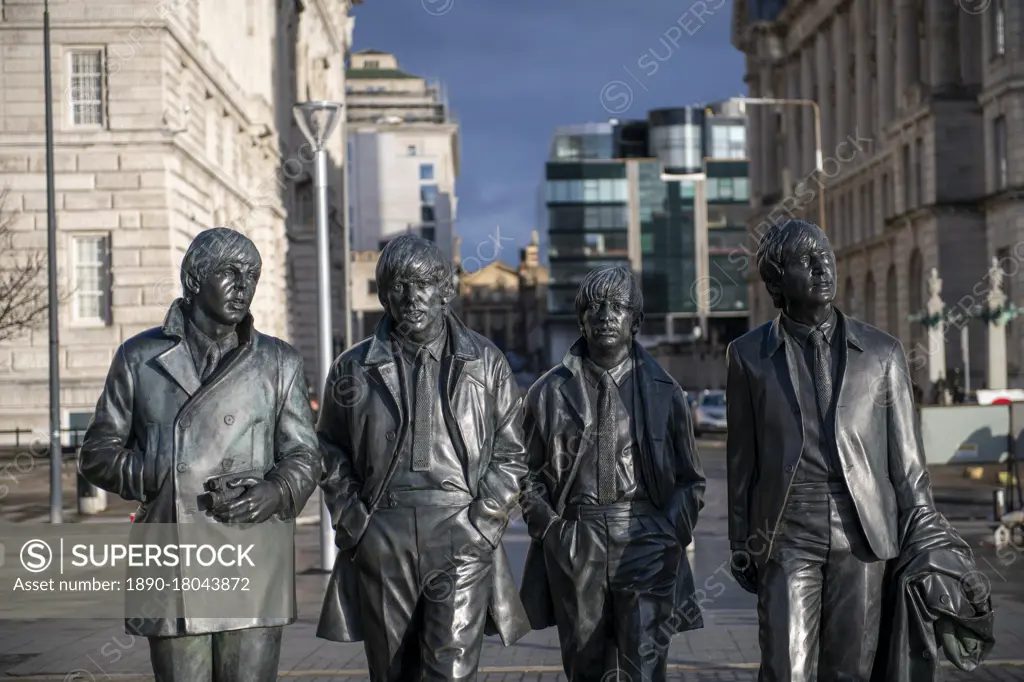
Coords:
pixel 169 119
pixel 917 103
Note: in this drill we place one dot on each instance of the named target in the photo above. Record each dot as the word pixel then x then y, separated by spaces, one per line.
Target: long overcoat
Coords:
pixel 359 426
pixel 158 434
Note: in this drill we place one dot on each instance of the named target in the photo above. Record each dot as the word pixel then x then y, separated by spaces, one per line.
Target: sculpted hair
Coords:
pixel 776 246
pixel 609 282
pixel 211 249
pixel 412 257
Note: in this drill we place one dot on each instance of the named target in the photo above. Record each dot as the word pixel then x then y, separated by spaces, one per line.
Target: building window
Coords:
pixel 587 191
pixel 91 278
pixel 371 287
pixel 647 244
pixel 427 214
pixel 999 152
pixel 428 195
pixel 411 150
pixel 998 15
pixel 919 171
pixel 85 86
pixel 382 243
pixel 428 233
pixel 728 141
pixel 426 171
pixel 371 64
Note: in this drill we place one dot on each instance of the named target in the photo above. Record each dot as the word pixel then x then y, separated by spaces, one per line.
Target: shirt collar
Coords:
pixel 800 331
pixel 200 344
pixel 619 373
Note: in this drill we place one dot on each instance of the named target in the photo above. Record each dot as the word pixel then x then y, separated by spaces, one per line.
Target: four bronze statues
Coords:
pixel 425 448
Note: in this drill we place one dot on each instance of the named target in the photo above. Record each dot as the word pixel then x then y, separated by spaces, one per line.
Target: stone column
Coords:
pixel 944 44
pixel 884 59
pixel 794 163
pixel 972 45
pixel 823 60
pixel 908 51
pixel 936 334
pixel 807 80
pixel 861 37
pixel 754 133
pixel 996 330
pixel 841 76
pixel 769 140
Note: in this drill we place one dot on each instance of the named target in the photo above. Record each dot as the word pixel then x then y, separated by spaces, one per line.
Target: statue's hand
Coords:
pixel 257 504
pixel 744 571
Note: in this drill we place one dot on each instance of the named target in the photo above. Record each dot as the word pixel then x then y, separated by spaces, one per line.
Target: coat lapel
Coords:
pixel 574 389
pixel 656 394
pixel 780 359
pixel 177 362
pixel 851 355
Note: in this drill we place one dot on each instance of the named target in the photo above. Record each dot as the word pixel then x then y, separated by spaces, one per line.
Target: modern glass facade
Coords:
pixel 586 196
pixel 666 241
pixel 608 189
pixel 727 234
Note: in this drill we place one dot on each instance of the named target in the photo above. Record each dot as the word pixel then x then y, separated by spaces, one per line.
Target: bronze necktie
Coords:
pixel 422 413
pixel 606 440
pixel 822 372
pixel 211 361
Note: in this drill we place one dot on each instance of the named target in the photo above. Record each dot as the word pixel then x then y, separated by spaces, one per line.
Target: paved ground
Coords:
pixel 726 649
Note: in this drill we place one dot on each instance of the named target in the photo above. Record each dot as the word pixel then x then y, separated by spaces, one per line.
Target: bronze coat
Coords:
pixel 879 444
pixel 158 434
pixel 562 424
pixel 359 426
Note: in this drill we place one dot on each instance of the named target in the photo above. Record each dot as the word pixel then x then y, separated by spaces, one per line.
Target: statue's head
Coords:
pixel 219 274
pixel 414 284
pixel 797 265
pixel 609 307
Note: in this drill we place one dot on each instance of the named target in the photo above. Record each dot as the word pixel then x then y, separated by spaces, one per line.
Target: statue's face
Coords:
pixel 417 308
pixel 608 323
pixel 809 276
pixel 227 293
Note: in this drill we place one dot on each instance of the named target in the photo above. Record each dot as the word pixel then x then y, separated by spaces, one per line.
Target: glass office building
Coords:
pixel 613 196
pixel 587 210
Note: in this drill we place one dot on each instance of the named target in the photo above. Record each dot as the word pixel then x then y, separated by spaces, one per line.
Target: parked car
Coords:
pixel 709 417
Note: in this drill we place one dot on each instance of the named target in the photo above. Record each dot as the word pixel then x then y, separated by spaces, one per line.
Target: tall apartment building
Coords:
pixel 169 119
pixel 404 145
pixel 920 103
pixel 666 197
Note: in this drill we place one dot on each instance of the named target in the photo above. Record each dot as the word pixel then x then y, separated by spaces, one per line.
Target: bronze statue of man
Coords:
pixel 203 398
pixel 613 495
pixel 421 427
pixel 824 463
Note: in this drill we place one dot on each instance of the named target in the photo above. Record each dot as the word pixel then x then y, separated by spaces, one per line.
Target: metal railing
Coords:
pixel 27 437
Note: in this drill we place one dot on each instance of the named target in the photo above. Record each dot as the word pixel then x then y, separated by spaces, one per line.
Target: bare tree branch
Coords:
pixel 23 293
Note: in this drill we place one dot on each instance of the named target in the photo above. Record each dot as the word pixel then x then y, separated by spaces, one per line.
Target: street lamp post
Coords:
pixel 56 496
pixel 819 161
pixel 317 120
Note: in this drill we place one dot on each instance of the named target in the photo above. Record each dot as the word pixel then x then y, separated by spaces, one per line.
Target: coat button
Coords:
pixel 789 469
pixel 229 419
pixel 944 599
pixel 185 423
pixel 392 500
pixel 390 435
pixel 182 467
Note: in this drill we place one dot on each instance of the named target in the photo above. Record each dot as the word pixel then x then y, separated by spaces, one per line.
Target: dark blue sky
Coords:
pixel 516 70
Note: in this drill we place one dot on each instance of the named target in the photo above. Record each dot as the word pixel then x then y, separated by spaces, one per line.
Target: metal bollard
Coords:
pixel 91 500
pixel 998 504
